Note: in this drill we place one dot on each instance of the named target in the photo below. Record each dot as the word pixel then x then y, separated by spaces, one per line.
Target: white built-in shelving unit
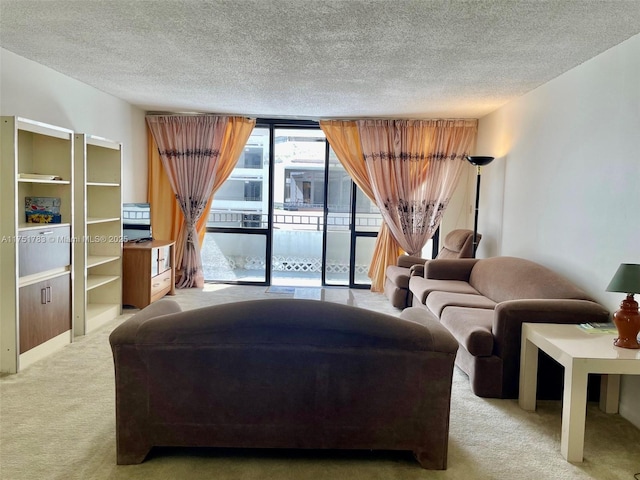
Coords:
pixel 36 281
pixel 98 238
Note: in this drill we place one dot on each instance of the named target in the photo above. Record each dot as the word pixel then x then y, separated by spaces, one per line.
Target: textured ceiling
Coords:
pixel 316 58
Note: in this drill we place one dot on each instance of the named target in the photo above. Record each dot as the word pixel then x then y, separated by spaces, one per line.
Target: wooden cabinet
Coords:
pixel 98 251
pixel 148 272
pixel 36 285
pixel 45 309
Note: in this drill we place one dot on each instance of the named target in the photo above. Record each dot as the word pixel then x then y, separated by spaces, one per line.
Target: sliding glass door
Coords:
pixel 236 241
pixel 298 206
pixel 338 224
pixel 289 215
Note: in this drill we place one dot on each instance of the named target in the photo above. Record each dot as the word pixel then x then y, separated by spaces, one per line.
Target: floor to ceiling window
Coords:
pixel 289 214
pixel 298 204
pixel 236 241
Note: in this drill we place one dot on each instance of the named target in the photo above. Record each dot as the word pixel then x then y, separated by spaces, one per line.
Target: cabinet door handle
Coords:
pixel 48 294
pixel 43 295
pixel 46 232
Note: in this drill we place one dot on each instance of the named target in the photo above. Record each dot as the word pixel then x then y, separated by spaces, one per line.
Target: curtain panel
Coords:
pixel 410 169
pixel 197 154
pixel 166 216
pixel 344 138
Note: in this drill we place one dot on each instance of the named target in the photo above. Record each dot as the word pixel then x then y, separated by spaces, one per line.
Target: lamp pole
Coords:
pixel 475 220
pixel 477 162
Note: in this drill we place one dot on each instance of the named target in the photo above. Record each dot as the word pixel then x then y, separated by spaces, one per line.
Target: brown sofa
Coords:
pixel 282 373
pixel 457 244
pixel 483 303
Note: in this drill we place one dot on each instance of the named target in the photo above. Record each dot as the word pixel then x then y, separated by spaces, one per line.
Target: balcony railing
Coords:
pixel 249 219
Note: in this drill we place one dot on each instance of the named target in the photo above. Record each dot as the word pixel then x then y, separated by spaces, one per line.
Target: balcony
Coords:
pixel 297 247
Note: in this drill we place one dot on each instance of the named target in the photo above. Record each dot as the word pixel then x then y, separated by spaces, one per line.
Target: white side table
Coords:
pixel 580 353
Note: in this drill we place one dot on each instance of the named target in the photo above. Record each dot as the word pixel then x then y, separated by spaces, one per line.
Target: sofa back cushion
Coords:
pixel 288 322
pixel 458 244
pixel 510 278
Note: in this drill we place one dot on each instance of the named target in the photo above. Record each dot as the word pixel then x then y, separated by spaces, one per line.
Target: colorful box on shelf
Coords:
pixel 42 210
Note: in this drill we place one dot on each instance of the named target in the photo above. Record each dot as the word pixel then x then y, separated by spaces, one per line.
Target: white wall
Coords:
pixel 563 190
pixel 459 212
pixel 36 92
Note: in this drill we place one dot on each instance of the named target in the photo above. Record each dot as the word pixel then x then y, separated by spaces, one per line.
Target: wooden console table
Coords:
pixel 148 272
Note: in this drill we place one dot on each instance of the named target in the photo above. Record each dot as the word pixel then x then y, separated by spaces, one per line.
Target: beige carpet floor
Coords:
pixel 57 422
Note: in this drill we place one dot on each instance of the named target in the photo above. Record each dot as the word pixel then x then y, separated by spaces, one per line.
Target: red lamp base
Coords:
pixel 627 321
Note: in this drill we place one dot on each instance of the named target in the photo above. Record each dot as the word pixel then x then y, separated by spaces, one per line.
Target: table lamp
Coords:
pixel 627 318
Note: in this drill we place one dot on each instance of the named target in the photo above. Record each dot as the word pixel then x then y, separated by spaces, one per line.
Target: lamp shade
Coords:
pixel 479 161
pixel 626 279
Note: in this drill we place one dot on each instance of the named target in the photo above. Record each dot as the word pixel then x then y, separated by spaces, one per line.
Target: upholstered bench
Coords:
pixel 282 373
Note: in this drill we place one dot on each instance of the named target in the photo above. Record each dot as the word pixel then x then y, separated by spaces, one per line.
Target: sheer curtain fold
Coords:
pixel 235 138
pixel 344 138
pixel 414 165
pixel 197 154
pixel 411 168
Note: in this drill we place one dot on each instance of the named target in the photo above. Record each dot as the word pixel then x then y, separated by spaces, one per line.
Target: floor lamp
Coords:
pixel 477 162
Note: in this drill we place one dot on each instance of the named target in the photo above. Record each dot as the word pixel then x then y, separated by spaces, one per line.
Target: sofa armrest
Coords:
pixel 442 340
pixel 125 333
pixel 449 268
pixel 417 270
pixel 507 328
pixel 510 315
pixel 407 261
pixel 132 395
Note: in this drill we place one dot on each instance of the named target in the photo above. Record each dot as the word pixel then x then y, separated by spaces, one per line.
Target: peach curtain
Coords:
pixel 411 168
pixel 166 217
pixel 200 153
pixel 344 138
pixel 414 166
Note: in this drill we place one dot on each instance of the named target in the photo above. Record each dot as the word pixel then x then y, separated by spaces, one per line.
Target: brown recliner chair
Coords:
pixel 457 244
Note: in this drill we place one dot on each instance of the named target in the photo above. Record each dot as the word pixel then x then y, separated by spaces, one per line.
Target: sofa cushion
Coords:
pixel 421 287
pixel 437 301
pixel 510 278
pixel 398 297
pixel 471 327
